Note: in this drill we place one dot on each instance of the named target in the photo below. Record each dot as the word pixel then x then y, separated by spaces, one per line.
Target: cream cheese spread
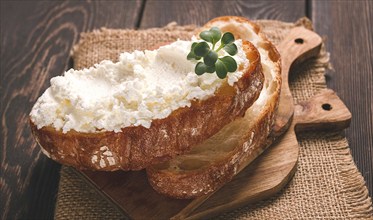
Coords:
pixel 140 87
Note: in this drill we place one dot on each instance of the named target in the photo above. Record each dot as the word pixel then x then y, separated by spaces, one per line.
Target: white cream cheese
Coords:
pixel 141 87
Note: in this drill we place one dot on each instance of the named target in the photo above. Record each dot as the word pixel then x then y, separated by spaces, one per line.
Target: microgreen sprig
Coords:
pixel 211 60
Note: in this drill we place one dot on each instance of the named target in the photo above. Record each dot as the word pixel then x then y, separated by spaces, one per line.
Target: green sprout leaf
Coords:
pixel 216 34
pixel 206 35
pixel 231 49
pixel 213 35
pixel 210 58
pixel 211 61
pixel 194 45
pixel 200 68
pixel 210 69
pixel 221 69
pixel 192 56
pixel 227 38
pixel 229 63
pixel 201 49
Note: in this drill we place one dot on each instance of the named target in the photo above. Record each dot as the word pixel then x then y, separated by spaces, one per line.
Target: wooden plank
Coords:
pixel 160 13
pixel 348 26
pixel 36 39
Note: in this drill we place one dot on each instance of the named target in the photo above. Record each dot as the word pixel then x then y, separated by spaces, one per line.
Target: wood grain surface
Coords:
pixel 36 38
pixel 348 27
pixel 198 12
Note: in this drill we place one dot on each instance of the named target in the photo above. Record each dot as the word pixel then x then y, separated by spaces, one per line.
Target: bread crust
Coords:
pixel 207 173
pixel 135 148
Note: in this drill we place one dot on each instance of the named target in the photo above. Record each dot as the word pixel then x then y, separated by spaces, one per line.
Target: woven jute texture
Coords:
pixel 327 183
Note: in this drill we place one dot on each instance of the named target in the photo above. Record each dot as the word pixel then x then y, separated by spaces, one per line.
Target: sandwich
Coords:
pixel 154 105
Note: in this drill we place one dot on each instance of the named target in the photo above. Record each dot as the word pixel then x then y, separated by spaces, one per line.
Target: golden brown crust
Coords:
pixel 211 164
pixel 186 183
pixel 137 147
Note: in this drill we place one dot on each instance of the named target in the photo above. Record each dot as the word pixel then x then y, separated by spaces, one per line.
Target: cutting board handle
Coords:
pixel 299 45
pixel 324 111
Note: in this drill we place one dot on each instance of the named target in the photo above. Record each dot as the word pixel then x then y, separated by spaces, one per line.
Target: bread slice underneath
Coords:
pixel 215 161
pixel 137 147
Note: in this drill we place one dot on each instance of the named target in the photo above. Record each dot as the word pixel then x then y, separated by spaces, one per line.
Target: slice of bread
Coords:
pixel 137 147
pixel 215 161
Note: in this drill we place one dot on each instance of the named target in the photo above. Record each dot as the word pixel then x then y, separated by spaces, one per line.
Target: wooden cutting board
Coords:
pixel 267 175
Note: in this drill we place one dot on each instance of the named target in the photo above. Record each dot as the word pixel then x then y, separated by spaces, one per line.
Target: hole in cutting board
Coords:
pixel 299 41
pixel 326 107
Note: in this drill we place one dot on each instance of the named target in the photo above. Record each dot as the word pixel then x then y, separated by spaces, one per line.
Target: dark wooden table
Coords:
pixel 37 36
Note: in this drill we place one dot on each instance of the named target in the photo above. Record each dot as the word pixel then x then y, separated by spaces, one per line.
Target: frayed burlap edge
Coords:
pixel 354 184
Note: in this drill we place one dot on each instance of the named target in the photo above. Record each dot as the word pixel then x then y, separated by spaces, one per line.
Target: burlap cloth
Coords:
pixel 327 183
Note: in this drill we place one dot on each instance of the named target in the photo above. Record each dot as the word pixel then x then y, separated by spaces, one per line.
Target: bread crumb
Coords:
pixel 111 161
pixel 102 163
pixel 94 159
